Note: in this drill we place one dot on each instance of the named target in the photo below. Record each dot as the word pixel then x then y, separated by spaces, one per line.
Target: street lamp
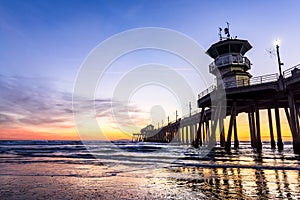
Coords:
pixel 277 42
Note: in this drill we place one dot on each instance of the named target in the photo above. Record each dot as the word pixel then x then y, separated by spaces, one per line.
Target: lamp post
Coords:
pixel 277 42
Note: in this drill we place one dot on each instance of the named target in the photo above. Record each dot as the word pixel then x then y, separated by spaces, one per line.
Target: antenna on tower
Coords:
pixel 220 33
pixel 226 31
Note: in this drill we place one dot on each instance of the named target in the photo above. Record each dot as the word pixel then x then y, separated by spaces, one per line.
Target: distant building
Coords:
pixel 147 128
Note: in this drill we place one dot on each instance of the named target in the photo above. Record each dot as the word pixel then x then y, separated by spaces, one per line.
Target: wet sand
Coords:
pixel 69 181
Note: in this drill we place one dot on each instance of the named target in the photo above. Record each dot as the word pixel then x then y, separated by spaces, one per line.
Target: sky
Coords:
pixel 43 45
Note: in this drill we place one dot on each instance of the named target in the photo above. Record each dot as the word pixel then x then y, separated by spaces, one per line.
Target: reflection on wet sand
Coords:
pixel 247 183
pixel 235 183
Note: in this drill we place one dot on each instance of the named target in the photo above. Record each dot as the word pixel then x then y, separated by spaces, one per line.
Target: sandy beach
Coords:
pixel 61 181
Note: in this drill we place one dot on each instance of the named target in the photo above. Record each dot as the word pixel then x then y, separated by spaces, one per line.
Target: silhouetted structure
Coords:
pixel 242 94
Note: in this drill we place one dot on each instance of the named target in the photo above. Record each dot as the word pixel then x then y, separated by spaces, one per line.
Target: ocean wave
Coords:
pixel 139 154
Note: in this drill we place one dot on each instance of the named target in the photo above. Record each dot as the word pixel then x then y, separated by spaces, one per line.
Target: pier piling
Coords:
pixel 232 117
pixel 250 120
pixel 273 146
pixel 257 122
pixel 294 122
pixel 236 140
pixel 278 128
pixel 222 133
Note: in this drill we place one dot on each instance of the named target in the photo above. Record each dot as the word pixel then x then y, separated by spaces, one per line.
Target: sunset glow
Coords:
pixel 44 45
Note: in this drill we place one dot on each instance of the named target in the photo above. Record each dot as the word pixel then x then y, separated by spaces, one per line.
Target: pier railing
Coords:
pixel 244 82
pixel 264 79
pixel 229 60
pixel 289 72
pixel 253 81
pixel 192 113
pixel 184 116
pixel 207 91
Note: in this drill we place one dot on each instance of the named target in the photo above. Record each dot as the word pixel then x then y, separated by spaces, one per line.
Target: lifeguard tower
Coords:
pixel 230 66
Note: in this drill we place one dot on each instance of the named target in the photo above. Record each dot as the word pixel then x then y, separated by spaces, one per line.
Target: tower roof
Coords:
pixel 228 46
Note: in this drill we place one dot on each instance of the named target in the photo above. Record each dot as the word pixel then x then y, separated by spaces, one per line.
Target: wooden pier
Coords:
pixel 271 96
pixel 242 94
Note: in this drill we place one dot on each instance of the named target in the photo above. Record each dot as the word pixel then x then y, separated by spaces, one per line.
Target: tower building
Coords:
pixel 230 66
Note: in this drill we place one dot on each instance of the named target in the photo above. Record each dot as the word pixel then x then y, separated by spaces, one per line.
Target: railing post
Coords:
pixel 261 80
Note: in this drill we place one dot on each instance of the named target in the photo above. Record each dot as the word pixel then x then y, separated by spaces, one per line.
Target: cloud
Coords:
pixel 121 114
pixel 113 115
pixel 25 101
pixel 35 104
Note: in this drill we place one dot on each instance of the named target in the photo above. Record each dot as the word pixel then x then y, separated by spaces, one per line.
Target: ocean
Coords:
pixel 125 170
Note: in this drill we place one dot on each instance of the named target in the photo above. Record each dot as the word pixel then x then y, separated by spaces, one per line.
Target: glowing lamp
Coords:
pixel 277 42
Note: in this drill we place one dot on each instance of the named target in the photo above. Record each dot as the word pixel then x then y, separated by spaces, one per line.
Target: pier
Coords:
pixel 241 93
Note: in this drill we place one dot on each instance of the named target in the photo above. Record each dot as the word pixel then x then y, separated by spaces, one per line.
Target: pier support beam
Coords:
pixel 198 136
pixel 207 131
pixel 278 128
pixel 252 128
pixel 294 123
pixel 214 125
pixel 236 140
pixel 257 122
pixel 288 117
pixel 183 134
pixel 191 133
pixel 271 129
pixel 232 117
pixel 195 128
pixel 203 133
pixel 222 133
pixel 187 134
pixel 178 134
